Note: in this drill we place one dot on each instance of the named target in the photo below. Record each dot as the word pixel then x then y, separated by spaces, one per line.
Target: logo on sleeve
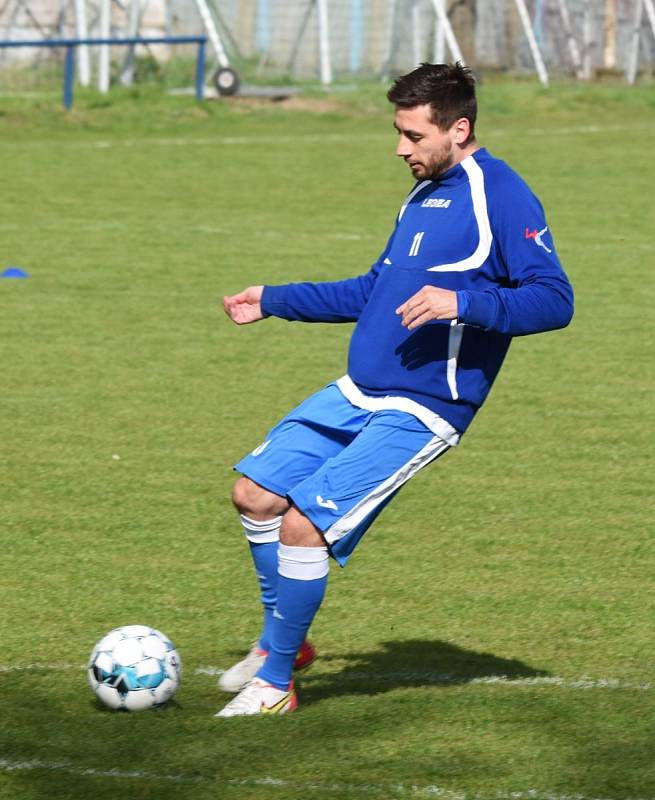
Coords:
pixel 536 236
pixel 259 450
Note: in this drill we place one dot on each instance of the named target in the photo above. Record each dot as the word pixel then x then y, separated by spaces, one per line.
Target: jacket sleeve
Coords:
pixel 330 301
pixel 535 295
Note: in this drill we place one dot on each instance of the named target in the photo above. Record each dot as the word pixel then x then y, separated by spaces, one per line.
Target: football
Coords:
pixel 134 668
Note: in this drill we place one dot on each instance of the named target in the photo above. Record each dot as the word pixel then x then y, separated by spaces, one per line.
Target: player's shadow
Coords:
pixel 411 663
pixel 422 347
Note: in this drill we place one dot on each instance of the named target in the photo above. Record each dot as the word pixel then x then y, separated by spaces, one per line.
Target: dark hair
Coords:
pixel 449 89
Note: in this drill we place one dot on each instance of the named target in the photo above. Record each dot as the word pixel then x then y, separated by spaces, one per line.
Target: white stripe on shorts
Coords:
pixel 433 422
pixel 357 514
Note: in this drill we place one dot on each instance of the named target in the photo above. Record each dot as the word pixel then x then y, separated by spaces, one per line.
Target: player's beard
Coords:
pixel 438 163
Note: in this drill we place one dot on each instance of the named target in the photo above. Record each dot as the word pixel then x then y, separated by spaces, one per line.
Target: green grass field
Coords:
pixel 492 638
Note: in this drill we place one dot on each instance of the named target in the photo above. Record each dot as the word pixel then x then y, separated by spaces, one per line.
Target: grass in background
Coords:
pixel 127 396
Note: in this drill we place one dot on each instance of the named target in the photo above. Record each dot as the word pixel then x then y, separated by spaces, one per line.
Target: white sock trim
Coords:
pixel 261 531
pixel 303 563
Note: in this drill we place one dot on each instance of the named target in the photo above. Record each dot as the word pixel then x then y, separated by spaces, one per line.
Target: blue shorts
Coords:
pixel 340 464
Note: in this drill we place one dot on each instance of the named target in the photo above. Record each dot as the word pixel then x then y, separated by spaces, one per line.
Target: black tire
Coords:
pixel 226 81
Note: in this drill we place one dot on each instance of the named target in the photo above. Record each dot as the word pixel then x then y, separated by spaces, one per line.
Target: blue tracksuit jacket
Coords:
pixel 478 230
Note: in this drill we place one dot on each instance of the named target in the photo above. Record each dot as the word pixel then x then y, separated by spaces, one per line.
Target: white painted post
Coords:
pixel 609 35
pixel 324 42
pixel 416 41
pixel 534 47
pixel 439 38
pixel 587 41
pixel 633 60
pixel 440 11
pixel 127 73
pixel 212 33
pixel 103 54
pixel 570 38
pixel 82 32
pixel 650 13
pixel 391 22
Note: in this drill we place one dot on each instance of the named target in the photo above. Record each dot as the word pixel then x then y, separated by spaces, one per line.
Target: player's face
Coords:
pixel 427 150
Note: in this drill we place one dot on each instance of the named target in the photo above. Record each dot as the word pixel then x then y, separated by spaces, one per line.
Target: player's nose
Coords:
pixel 403 148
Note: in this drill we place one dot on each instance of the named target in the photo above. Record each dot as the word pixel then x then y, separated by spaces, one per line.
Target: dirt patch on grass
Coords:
pixel 317 105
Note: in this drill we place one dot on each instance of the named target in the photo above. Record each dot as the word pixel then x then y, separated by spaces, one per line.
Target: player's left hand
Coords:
pixel 427 304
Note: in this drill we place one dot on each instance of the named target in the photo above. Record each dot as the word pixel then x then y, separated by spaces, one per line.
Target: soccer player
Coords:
pixel 470 264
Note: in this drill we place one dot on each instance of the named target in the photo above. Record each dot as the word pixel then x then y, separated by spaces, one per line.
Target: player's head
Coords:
pixel 449 90
pixel 435 116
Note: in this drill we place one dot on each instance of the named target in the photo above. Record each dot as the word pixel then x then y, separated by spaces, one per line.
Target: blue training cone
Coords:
pixel 14 272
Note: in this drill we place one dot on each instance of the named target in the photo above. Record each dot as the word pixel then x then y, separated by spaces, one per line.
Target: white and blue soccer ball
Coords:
pixel 133 668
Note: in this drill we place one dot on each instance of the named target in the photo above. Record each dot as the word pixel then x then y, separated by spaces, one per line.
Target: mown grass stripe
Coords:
pixel 277 139
pixel 399 789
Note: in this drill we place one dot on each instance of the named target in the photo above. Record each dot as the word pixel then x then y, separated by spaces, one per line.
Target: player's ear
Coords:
pixel 461 130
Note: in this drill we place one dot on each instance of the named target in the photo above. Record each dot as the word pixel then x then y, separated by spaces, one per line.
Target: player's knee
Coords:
pixel 254 501
pixel 298 531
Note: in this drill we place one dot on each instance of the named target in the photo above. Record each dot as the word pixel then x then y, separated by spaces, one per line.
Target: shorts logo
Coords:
pixel 326 503
pixel 536 235
pixel 259 450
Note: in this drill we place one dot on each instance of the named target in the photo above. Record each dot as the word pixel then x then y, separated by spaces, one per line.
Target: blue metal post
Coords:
pixel 263 26
pixel 200 71
pixel 538 22
pixel 356 35
pixel 69 71
pixel 71 44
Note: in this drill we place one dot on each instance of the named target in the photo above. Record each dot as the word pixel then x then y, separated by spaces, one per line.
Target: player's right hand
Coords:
pixel 246 306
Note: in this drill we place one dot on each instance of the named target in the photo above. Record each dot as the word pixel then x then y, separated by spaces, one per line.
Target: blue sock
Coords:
pixel 302 580
pixel 263 538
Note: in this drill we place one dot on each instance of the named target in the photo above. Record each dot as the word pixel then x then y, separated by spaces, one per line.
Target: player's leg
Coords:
pixel 336 505
pixel 261 513
pixel 295 448
pixel 338 502
pixel 302 580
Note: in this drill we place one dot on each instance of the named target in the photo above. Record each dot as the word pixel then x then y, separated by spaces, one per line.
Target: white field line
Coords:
pixel 391 789
pixel 248 141
pixel 39 667
pixel 449 679
pixel 427 678
pixel 211 230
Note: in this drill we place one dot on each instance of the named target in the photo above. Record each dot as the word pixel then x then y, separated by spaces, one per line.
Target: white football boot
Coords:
pixel 259 697
pixel 236 677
